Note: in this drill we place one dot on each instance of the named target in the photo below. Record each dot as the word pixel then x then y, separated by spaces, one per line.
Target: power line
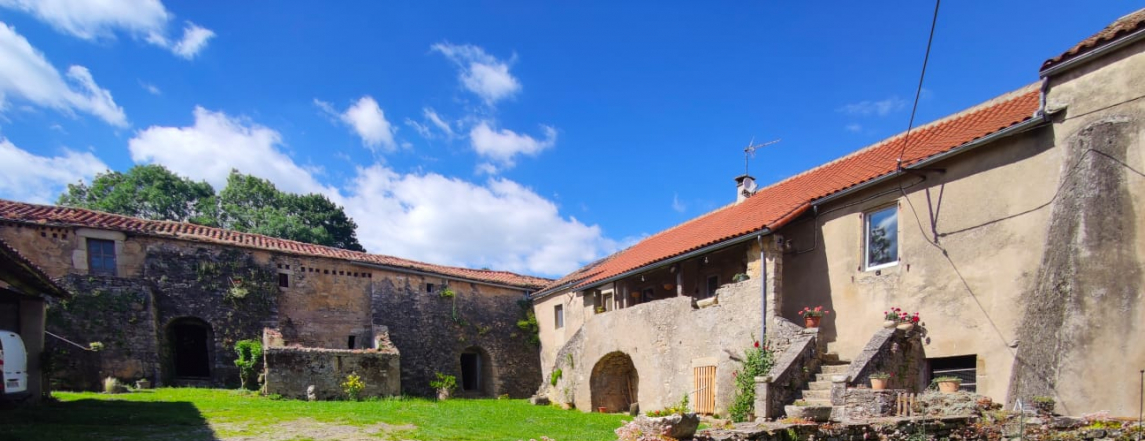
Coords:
pixel 921 77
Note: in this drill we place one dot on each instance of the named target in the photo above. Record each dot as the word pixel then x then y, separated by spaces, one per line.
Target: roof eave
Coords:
pixel 1092 54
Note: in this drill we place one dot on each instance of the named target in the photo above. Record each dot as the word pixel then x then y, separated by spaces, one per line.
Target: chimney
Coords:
pixel 745 186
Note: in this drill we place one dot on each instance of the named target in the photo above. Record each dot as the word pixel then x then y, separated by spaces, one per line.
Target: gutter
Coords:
pixel 1034 122
pixel 1091 55
pixel 710 248
pixel 438 275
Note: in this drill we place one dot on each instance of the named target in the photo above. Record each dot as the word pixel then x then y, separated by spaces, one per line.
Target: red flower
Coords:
pixel 757 344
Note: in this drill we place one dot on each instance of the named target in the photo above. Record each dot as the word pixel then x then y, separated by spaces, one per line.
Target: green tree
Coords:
pixel 146 191
pixel 248 203
pixel 254 205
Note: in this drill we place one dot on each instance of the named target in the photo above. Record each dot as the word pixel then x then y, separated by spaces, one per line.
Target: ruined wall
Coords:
pixel 986 211
pixel 431 331
pixel 294 370
pixel 1081 335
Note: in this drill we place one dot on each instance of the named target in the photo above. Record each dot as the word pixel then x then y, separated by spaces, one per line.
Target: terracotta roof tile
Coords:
pixel 775 205
pixel 78 217
pixel 1123 26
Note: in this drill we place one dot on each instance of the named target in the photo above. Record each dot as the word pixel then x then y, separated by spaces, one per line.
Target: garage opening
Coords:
pixel 190 340
pixel 614 383
pixel 476 373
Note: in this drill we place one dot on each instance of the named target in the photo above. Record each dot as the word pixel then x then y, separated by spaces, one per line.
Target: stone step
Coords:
pixel 835 369
pixel 809 395
pixel 826 377
pixel 830 358
pixel 819 385
pixel 817 403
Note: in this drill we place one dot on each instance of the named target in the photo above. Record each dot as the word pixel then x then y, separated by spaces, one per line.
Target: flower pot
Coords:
pixel 602 410
pixel 890 324
pixel 812 322
pixel 878 383
pixel 443 394
pixel 905 326
pixel 948 387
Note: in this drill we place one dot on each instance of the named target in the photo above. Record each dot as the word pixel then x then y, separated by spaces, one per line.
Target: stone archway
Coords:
pixel 190 341
pixel 476 373
pixel 614 384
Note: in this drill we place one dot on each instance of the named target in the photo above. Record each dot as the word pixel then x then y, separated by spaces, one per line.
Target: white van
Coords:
pixel 14 364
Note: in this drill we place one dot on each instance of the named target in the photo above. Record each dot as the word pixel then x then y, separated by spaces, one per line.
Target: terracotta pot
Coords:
pixel 948 387
pixel 602 409
pixel 905 326
pixel 890 324
pixel 878 383
pixel 812 322
pixel 443 394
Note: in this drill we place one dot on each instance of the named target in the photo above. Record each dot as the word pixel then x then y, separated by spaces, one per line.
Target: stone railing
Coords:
pixel 892 351
pixel 789 374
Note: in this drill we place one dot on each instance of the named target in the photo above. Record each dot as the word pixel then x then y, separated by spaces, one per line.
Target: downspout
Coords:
pixel 762 290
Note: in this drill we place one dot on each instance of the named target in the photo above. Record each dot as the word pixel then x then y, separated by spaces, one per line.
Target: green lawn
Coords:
pixel 212 414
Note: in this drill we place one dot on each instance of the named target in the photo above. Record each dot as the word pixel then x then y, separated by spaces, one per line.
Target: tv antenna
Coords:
pixel 749 151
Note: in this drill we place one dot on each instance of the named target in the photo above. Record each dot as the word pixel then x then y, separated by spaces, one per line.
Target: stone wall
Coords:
pixel 896 352
pixel 291 371
pixel 432 331
pixel 793 368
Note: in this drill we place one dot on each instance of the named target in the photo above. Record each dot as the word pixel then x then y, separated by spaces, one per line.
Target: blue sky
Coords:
pixel 526 136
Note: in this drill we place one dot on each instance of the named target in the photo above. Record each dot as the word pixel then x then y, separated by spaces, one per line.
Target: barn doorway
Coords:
pixel 476 373
pixel 190 342
pixel 614 383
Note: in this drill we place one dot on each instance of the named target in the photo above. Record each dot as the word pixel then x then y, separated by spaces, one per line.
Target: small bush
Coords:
pixel 249 362
pixel 444 382
pixel 446 293
pixel 679 408
pixel 757 362
pixel 111 385
pixel 353 387
pixel 95 346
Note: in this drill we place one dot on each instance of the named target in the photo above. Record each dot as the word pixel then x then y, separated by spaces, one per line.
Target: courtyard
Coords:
pixel 189 414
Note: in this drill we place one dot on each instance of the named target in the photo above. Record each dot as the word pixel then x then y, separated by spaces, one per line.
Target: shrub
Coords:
pixel 353 387
pixel 757 362
pixel 678 408
pixel 95 346
pixel 446 293
pixel 111 385
pixel 249 360
pixel 444 382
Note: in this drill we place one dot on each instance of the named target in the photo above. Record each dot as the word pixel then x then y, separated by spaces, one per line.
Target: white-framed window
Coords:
pixel 559 316
pixel 881 238
pixel 606 300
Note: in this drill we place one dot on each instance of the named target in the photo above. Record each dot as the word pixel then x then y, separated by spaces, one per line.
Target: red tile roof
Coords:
pixel 78 217
pixel 775 205
pixel 1126 25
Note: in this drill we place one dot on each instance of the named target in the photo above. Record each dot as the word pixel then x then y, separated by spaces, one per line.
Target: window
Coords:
pixel 283 280
pixel 881 238
pixel 429 287
pixel 713 285
pixel 964 367
pixel 101 256
pixel 350 342
pixel 559 316
pixel 607 299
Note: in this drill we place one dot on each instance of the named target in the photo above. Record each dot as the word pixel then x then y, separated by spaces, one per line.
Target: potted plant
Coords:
pixel 948 384
pixel 811 317
pixel 907 321
pixel 879 380
pixel 891 317
pixel 1044 405
pixel 444 385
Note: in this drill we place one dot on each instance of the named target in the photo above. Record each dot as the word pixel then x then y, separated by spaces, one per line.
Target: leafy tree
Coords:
pixel 248 203
pixel 146 191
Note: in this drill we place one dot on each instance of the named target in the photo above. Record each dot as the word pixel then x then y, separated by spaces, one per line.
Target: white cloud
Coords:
pixel 880 108
pixel 100 19
pixel 150 88
pixel 854 127
pixel 416 216
pixel 481 73
pixel 40 179
pixel 217 143
pixel 194 40
pixel 680 207
pixel 430 121
pixel 502 146
pixel 27 75
pixel 368 121
pixel 504 224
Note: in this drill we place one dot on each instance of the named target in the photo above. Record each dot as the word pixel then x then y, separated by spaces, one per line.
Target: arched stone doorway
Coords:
pixel 190 341
pixel 476 373
pixel 614 384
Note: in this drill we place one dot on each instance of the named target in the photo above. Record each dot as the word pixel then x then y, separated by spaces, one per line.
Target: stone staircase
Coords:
pixel 818 391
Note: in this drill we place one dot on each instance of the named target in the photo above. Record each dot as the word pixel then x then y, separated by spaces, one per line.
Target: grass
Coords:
pixel 212 414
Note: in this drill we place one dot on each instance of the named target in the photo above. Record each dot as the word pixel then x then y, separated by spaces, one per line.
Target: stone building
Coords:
pixel 169 300
pixel 23 289
pixel 1014 228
